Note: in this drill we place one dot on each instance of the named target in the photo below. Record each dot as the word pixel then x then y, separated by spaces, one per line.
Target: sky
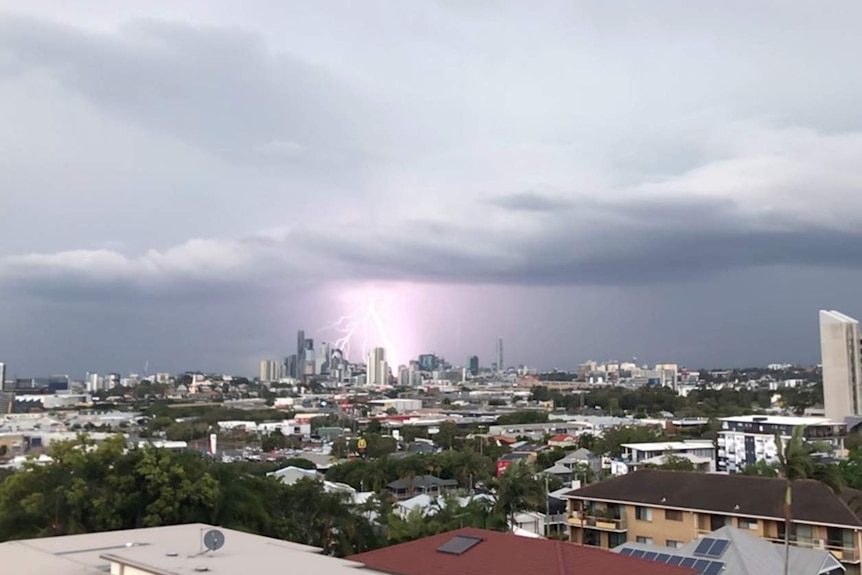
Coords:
pixel 183 185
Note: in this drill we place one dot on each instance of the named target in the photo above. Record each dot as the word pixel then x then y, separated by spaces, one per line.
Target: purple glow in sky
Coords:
pixel 188 184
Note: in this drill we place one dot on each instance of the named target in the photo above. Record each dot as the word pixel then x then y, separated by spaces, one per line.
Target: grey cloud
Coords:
pixel 530 202
pixel 220 89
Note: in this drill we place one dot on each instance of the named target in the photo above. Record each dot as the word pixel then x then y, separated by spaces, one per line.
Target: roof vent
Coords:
pixel 202 569
pixel 171 553
pixel 459 544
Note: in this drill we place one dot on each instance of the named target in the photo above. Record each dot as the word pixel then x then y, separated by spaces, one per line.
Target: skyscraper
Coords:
pixel 300 355
pixel 500 364
pixel 473 365
pixel 840 347
pixel 378 369
pixel 2 376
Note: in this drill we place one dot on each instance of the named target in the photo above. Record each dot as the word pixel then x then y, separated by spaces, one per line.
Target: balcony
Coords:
pixel 600 522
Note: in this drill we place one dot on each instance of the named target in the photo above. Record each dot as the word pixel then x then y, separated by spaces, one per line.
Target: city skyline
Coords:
pixel 190 185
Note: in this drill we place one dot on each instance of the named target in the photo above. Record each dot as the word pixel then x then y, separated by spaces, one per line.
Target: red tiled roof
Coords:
pixel 506 554
pixel 562 437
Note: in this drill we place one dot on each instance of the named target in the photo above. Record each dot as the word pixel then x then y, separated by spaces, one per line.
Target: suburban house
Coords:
pixel 421 484
pixel 732 551
pixel 563 440
pixel 574 465
pixel 507 459
pixel 673 508
pixel 638 453
pixel 428 505
pixel 290 475
pixel 698 462
pixel 472 551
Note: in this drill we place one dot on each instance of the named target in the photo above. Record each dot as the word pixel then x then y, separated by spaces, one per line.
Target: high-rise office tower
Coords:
pixel 2 376
pixel 473 365
pixel 500 365
pixel 840 347
pixel 378 369
pixel 428 362
pixel 300 355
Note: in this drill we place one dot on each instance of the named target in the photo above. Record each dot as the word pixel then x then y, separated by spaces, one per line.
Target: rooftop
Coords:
pixel 742 554
pixel 472 551
pixel 780 420
pixel 739 495
pixel 670 445
pixel 174 549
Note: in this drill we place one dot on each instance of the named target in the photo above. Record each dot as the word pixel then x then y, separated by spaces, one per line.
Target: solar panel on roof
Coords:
pixel 637 553
pixel 675 560
pixel 688 562
pixel 701 565
pixel 650 555
pixel 662 558
pixel 459 544
pixel 704 546
pixel 718 548
pixel 714 568
pixel 625 551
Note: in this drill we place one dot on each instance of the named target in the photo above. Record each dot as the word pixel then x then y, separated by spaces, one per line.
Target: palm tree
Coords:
pixel 518 490
pixel 795 462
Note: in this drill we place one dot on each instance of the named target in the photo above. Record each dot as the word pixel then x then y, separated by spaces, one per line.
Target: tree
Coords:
pixel 761 469
pixel 794 463
pixel 518 490
pixel 611 441
pixel 446 434
pixel 675 463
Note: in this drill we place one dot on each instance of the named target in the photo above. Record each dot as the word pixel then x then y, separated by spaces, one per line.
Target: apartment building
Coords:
pixel 747 439
pixel 672 508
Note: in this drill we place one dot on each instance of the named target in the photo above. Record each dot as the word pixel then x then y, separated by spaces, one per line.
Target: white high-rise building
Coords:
pixel 2 376
pixel 378 369
pixel 500 365
pixel 842 371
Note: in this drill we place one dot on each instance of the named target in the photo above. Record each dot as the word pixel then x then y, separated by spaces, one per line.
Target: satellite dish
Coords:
pixel 213 539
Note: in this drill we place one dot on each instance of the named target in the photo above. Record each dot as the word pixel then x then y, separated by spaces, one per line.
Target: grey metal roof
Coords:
pixel 750 555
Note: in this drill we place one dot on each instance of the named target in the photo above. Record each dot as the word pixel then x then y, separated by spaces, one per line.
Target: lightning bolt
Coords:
pixel 351 325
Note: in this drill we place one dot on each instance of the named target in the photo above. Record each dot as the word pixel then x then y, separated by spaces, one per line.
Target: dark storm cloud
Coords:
pixel 199 167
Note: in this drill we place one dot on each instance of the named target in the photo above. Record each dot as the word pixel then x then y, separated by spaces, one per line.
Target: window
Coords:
pixel 643 513
pixel 645 540
pixel 674 544
pixel 672 515
pixel 748 523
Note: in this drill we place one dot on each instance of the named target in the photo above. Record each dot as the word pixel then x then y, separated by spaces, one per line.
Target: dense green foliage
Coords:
pixel 651 401
pixel 90 489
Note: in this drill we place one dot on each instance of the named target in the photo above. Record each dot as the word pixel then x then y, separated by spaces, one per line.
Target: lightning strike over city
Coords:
pixel 358 324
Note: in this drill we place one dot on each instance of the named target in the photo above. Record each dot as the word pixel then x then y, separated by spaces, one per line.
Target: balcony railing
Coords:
pixel 599 522
pixel 840 552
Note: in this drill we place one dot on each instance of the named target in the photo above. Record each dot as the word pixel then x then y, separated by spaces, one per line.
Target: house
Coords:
pixel 747 439
pixel 290 475
pixel 420 484
pixel 563 440
pixel 635 453
pixel 580 458
pixel 428 505
pixel 507 459
pixel 672 508
pixel 472 551
pixel 732 551
pixel 698 462
pixel 169 549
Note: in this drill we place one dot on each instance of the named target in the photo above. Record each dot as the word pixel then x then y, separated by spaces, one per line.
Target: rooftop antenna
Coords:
pixel 212 540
